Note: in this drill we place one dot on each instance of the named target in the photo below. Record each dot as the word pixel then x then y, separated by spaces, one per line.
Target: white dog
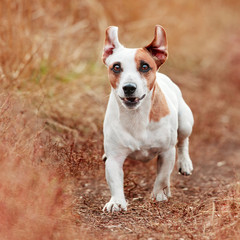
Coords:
pixel 146 116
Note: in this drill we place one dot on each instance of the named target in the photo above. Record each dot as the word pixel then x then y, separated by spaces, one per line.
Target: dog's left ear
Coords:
pixel 111 42
pixel 158 47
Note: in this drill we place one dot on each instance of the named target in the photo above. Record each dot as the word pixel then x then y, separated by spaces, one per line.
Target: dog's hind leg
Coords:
pixel 185 166
pixel 185 124
pixel 165 164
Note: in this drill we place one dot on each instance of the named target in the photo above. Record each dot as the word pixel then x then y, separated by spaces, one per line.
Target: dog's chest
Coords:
pixel 147 143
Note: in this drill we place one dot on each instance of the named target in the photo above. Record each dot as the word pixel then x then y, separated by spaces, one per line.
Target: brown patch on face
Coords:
pixel 113 77
pixel 159 107
pixel 142 55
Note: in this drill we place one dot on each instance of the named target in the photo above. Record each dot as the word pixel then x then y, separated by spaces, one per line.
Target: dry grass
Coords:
pixel 35 203
pixel 52 101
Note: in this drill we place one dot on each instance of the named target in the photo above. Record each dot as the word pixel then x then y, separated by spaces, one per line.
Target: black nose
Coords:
pixel 129 88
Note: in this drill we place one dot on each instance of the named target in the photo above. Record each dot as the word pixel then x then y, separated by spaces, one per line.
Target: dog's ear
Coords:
pixel 111 42
pixel 158 47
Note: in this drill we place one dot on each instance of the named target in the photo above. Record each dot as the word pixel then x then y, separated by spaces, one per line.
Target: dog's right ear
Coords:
pixel 111 42
pixel 158 47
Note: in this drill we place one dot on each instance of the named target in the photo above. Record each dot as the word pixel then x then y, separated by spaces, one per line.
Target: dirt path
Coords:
pixel 194 212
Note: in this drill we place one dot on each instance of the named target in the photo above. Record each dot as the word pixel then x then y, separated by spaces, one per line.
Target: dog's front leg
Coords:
pixel 114 176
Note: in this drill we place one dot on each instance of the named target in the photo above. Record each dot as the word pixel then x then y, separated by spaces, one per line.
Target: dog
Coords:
pixel 146 116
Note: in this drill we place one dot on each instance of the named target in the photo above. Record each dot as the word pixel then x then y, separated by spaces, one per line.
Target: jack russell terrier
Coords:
pixel 146 116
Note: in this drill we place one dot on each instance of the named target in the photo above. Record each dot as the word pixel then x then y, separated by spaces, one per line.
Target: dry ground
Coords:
pixel 54 91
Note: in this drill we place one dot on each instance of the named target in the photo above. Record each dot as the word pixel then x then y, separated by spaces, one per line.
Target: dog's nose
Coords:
pixel 129 88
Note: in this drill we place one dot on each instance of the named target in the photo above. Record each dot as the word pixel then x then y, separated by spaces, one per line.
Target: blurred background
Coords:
pixel 54 91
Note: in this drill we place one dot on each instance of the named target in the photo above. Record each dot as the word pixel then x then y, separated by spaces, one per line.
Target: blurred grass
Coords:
pixel 50 62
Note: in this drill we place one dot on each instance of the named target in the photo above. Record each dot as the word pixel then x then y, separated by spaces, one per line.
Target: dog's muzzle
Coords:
pixel 131 102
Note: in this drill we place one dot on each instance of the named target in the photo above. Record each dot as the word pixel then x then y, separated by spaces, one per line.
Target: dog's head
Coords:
pixel 132 72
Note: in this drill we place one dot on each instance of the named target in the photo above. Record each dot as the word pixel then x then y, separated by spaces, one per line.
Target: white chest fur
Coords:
pixel 151 142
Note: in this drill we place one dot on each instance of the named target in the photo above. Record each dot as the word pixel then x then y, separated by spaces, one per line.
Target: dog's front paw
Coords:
pixel 185 166
pixel 115 206
pixel 161 196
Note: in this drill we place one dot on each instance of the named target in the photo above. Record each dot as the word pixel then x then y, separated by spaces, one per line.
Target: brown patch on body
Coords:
pixel 159 106
pixel 150 76
pixel 113 77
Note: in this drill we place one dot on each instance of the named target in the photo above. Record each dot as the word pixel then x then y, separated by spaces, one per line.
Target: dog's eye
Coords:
pixel 144 67
pixel 116 68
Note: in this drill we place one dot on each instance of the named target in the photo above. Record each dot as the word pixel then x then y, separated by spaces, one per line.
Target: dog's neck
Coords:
pixel 135 120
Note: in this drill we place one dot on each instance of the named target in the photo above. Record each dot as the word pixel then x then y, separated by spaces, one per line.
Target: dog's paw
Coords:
pixel 115 206
pixel 185 166
pixel 161 196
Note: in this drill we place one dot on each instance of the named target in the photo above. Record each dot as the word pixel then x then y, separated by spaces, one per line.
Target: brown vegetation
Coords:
pixel 54 91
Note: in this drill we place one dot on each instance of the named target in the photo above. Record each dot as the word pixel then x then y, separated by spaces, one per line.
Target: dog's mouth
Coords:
pixel 131 101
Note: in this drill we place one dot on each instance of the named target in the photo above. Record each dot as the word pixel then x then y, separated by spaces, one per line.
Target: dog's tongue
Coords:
pixel 132 99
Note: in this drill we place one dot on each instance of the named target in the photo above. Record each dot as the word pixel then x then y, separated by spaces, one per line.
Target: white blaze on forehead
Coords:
pixel 125 56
